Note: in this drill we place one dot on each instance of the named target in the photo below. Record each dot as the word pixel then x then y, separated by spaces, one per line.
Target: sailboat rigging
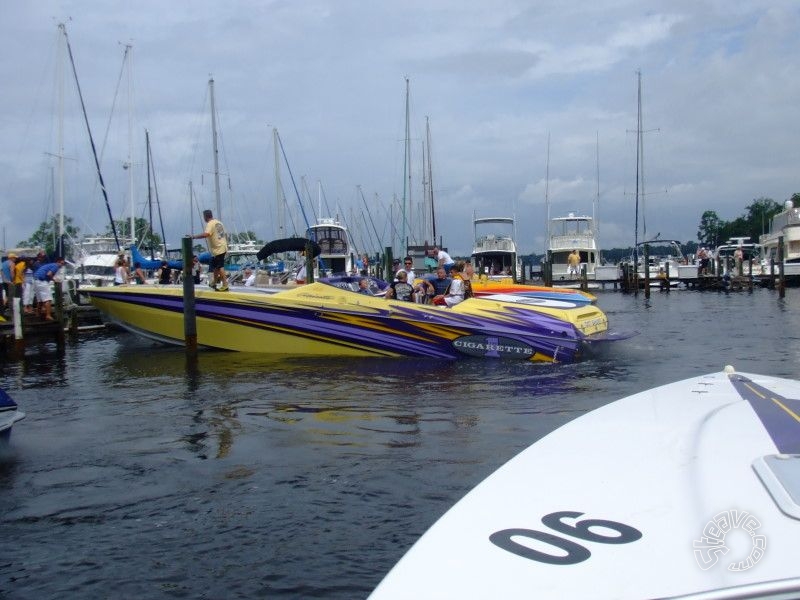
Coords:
pixel 63 30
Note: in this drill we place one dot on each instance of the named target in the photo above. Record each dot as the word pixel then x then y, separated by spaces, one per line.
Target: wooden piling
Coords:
pixel 189 317
pixel 781 272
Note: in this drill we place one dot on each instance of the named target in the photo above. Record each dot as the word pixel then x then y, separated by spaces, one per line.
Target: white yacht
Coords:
pixel 572 233
pixel 785 224
pixel 95 260
pixel 335 257
pixel 495 254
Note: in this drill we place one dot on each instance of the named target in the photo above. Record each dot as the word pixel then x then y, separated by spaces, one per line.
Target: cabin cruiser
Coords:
pixel 786 225
pixel 572 233
pixel 495 254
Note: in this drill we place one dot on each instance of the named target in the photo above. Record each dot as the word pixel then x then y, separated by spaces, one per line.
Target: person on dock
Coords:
pixel 218 244
pixel 8 277
pixel 574 264
pixel 19 276
pixel 738 258
pixel 42 286
pixel 27 287
pixel 443 259
pixel 702 261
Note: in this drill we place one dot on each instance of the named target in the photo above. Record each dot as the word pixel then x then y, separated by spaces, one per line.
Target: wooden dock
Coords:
pixel 68 321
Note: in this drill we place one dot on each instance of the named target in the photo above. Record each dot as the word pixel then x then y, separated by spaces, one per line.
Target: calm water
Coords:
pixel 247 477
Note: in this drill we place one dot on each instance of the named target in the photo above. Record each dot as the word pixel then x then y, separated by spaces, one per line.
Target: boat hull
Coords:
pixel 632 500
pixel 321 320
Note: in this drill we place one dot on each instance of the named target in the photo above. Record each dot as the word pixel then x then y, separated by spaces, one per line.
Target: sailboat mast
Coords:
pixel 406 172
pixel 278 187
pixel 150 187
pixel 91 139
pixel 596 202
pixel 218 213
pixel 129 57
pixel 61 61
pixel 430 179
pixel 547 191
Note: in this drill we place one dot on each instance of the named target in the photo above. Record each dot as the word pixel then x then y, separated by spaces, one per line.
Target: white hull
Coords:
pixel 662 470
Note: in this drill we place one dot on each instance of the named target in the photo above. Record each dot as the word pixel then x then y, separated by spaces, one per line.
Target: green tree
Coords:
pixel 759 214
pixel 46 237
pixel 709 230
pixel 145 237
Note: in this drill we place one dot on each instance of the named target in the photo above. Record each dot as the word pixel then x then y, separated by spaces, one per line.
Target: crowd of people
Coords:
pixel 29 280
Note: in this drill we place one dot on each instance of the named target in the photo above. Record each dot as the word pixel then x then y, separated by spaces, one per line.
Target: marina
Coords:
pixel 242 475
pixel 377 368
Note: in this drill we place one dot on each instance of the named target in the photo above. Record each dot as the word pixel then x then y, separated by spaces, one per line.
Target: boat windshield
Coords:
pixel 331 240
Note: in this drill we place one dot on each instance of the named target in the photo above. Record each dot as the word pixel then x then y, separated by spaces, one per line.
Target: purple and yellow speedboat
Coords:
pixel 322 320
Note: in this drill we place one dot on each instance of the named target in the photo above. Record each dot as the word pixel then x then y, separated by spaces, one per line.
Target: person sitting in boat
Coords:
pixel 407 269
pixel 363 287
pixel 455 291
pixel 401 289
pixel 441 283
pixel 249 277
pixel 164 273
pixel 574 264
pixel 443 259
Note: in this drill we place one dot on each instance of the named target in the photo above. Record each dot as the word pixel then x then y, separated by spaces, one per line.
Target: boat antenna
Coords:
pixel 430 178
pixel 91 139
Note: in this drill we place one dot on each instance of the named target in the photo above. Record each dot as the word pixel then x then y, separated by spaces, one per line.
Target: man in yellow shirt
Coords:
pixel 574 264
pixel 218 244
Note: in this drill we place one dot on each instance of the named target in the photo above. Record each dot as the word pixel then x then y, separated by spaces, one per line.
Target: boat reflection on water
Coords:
pixel 336 402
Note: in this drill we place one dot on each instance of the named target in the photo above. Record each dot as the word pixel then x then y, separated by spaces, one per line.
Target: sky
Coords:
pixel 532 110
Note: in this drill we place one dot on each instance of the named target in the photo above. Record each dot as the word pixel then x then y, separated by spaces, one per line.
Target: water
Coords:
pixel 249 477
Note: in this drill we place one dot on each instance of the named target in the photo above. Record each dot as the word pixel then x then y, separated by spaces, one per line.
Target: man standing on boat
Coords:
pixel 443 259
pixel 218 244
pixel 573 264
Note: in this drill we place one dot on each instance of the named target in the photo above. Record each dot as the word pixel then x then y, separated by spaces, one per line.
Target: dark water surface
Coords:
pixel 135 476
